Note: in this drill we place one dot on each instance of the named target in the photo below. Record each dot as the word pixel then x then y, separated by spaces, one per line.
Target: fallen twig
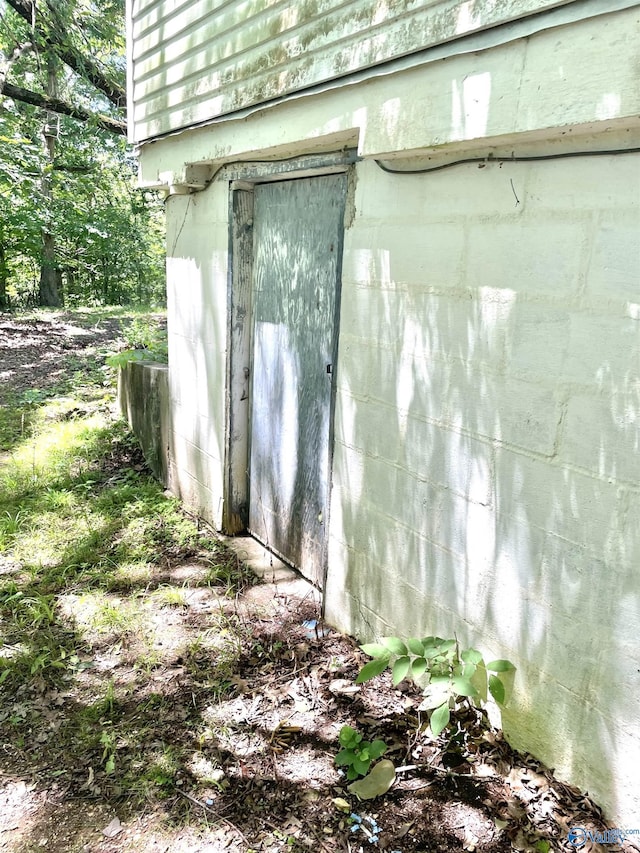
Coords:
pixel 207 808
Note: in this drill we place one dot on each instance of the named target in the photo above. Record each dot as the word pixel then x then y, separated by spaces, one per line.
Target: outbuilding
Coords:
pixel 403 269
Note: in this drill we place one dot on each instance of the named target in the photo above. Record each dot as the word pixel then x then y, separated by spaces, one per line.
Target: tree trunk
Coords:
pixel 50 288
pixel 4 275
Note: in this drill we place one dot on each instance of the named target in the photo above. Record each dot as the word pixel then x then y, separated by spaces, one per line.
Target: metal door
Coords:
pixel 298 228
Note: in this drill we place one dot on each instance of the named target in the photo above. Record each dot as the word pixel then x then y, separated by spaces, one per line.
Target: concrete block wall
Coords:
pixel 485 474
pixel 486 471
pixel 143 401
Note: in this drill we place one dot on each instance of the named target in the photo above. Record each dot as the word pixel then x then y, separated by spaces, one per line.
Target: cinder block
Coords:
pixel 401 381
pixel 143 399
pixel 418 508
pixel 538 341
pixel 585 184
pixel 424 369
pixel 204 470
pixel 526 415
pixel 400 575
pixel 197 316
pixel 520 413
pixel 413 255
pixel 535 254
pixel 348 473
pixel 562 574
pixel 372 427
pixel 580 509
pixel 182 368
pixel 371 312
pixel 456 196
pixel 538 718
pixel 422 334
pixel 451 459
pixel 472 401
pixel 467 327
pixel 197 300
pixel 196 497
pixel 555 345
pixel 602 434
pixel 418 505
pixel 614 270
pixel 365 369
pixel 198 434
pixel 197 376
pixel 391 537
pixel 627 551
pixel 603 352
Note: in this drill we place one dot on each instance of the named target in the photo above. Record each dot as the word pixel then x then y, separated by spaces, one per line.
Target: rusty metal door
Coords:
pixel 298 228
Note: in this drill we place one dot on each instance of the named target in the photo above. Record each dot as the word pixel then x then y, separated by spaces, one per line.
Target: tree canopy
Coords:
pixel 73 226
pixel 87 37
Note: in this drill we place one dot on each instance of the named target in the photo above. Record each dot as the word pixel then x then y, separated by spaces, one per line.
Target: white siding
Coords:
pixel 191 62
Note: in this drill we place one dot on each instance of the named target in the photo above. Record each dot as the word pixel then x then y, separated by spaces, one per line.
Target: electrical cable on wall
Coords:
pixel 261 162
pixel 481 161
pixel 492 159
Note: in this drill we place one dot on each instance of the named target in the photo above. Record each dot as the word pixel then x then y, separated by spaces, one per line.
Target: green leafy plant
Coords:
pixel 146 340
pixel 357 754
pixel 449 677
pixel 32 396
pixel 121 359
pixel 108 742
pixel 29 611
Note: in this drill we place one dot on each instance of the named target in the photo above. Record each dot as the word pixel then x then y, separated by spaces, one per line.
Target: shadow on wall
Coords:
pixel 486 464
pixel 197 335
pixel 297 241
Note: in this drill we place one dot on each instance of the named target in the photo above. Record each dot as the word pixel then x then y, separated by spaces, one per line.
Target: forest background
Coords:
pixel 74 228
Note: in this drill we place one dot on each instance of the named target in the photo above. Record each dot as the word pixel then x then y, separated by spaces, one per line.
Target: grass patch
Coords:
pixel 52 355
pixel 88 542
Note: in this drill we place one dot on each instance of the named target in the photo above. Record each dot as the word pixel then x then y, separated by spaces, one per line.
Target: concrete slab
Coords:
pixel 270 568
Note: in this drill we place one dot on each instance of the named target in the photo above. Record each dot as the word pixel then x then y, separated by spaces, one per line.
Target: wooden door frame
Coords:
pixel 242 180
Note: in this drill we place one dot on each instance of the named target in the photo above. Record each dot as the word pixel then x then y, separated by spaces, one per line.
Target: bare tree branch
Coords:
pixel 55 105
pixel 68 167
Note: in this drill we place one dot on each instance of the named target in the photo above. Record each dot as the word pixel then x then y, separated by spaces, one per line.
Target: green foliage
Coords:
pixel 69 520
pixel 108 235
pixel 88 543
pixel 144 333
pixel 357 754
pixel 145 341
pixel 448 677
pixel 108 742
pixel 376 783
pixel 27 611
pixel 69 178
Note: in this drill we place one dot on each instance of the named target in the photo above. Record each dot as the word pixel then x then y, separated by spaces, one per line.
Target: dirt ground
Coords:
pixel 256 769
pixel 41 352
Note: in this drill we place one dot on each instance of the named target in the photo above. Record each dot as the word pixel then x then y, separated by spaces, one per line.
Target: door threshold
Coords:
pixel 261 561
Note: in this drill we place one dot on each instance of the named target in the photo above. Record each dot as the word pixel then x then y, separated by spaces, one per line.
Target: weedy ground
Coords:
pixel 155 697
